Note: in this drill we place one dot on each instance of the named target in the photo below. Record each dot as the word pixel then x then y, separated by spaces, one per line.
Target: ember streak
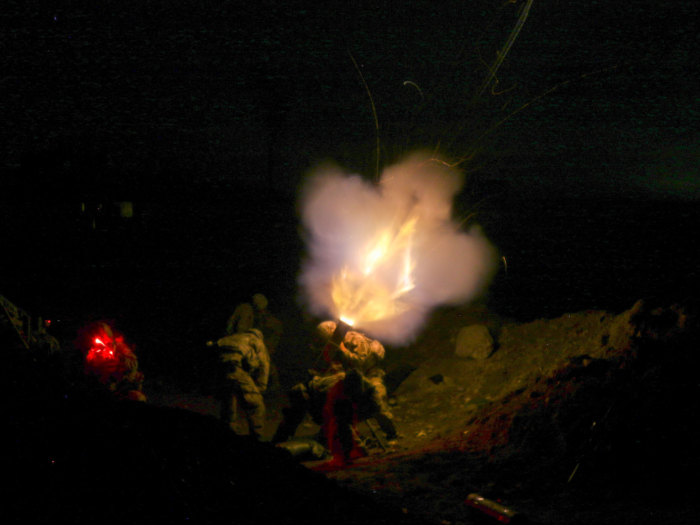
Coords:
pixel 385 255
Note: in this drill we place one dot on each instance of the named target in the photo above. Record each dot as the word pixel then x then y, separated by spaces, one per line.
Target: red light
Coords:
pixel 100 351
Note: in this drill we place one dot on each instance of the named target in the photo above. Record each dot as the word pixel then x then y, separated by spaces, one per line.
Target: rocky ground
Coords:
pixel 579 419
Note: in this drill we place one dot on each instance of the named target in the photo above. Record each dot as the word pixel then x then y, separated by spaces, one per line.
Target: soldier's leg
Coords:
pixel 344 413
pixel 383 415
pixel 227 405
pixel 387 425
pixel 252 402
pixel 293 415
pixel 340 419
pixel 254 407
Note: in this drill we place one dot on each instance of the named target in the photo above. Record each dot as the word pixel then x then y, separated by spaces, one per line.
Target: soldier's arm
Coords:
pixel 377 349
pixel 349 358
pixel 231 357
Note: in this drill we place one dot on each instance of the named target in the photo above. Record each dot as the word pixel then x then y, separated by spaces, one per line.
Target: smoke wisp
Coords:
pixel 386 255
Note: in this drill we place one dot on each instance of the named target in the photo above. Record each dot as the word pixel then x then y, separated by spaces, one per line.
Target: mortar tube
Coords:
pixel 338 335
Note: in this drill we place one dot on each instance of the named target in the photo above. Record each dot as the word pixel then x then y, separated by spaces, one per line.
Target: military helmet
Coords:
pixel 260 301
pixel 326 329
pixel 323 333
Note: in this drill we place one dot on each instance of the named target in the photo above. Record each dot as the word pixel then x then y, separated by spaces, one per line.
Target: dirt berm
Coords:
pixel 563 414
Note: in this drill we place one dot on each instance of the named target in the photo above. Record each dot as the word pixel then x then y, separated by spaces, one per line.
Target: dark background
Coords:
pixel 581 162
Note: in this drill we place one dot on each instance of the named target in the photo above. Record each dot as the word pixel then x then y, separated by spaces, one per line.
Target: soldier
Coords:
pixel 351 389
pixel 256 315
pixel 241 319
pixel 109 359
pixel 363 355
pixel 246 368
pixel 268 324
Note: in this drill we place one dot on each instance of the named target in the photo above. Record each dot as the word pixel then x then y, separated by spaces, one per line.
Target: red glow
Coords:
pixel 100 352
pixel 110 359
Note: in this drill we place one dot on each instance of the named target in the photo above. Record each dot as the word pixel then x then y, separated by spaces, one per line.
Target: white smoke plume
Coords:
pixel 342 213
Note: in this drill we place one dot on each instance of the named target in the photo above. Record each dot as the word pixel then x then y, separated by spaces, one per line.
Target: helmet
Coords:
pixel 260 301
pixel 324 331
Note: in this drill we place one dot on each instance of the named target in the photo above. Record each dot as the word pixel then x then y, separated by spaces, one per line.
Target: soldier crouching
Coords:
pixel 246 368
pixel 351 389
pixel 110 360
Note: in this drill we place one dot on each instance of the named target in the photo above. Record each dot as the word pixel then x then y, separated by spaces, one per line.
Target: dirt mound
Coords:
pixel 548 370
pixel 589 399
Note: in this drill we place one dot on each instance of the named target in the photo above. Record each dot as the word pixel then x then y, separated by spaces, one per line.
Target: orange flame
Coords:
pixel 383 274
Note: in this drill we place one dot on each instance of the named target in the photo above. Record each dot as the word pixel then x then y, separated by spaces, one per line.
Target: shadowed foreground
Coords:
pixel 78 456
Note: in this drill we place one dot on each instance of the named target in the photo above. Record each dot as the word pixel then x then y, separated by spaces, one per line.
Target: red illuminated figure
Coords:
pixel 110 360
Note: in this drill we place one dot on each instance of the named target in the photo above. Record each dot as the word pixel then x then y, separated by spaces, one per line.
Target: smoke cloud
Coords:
pixel 342 213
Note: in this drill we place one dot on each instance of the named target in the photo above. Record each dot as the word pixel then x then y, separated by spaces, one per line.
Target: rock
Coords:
pixel 474 342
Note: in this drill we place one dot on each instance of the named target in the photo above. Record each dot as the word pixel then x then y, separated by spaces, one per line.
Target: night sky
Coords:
pixel 207 115
pixel 231 94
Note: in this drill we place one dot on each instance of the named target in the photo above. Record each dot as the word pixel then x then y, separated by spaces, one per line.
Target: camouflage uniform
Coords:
pixel 247 369
pixel 359 352
pixel 353 377
pixel 247 316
